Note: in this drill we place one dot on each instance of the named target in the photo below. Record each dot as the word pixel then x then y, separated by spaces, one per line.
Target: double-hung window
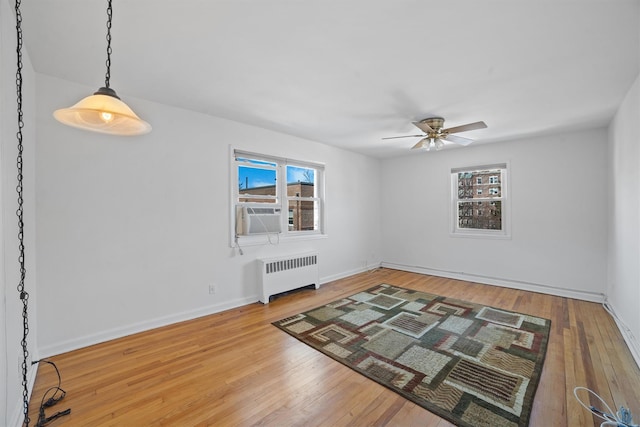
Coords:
pixel 303 198
pixel 475 212
pixel 273 195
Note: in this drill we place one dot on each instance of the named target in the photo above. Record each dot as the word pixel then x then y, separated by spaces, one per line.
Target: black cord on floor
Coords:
pixel 50 397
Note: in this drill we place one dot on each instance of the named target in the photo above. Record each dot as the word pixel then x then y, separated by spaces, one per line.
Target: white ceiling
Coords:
pixel 349 72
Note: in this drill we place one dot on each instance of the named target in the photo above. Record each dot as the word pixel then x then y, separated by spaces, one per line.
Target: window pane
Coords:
pixel 465 185
pixel 300 181
pixel 485 215
pixel 472 184
pixel 303 215
pixel 300 174
pixel 256 182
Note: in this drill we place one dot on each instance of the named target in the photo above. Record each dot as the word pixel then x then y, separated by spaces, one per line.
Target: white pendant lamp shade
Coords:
pixel 103 112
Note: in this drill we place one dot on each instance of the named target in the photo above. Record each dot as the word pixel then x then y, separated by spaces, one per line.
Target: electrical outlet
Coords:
pixel 212 289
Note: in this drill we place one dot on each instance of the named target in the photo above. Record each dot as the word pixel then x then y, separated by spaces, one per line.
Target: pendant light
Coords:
pixel 103 111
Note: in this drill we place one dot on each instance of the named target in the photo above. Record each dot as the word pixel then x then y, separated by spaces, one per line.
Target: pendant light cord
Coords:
pixel 107 76
pixel 24 296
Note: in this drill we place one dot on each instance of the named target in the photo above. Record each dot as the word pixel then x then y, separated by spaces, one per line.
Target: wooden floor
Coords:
pixel 236 369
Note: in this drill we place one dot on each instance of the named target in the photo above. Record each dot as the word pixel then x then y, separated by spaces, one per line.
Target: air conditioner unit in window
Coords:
pixel 254 220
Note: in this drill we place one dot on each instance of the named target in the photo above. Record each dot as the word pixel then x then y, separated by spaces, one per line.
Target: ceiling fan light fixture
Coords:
pixel 103 111
pixel 438 144
pixel 431 145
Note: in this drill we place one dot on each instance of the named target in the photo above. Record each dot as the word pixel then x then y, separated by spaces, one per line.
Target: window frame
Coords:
pixel 281 199
pixel 298 198
pixel 503 197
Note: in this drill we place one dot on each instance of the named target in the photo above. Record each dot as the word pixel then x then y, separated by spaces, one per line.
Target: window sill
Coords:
pixel 275 239
pixel 477 234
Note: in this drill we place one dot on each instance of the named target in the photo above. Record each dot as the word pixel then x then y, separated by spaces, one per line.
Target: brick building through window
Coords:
pixel 476 207
pixel 301 213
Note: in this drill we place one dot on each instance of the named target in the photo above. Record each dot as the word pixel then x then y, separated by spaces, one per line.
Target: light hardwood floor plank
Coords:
pixel 236 369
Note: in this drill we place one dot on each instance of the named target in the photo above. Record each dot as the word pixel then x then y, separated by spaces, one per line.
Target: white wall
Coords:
pixel 558 242
pixel 10 304
pixel 132 231
pixel 624 217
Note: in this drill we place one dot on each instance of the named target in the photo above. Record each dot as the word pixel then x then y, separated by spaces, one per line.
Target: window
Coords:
pixel 256 181
pixel 477 213
pixel 281 195
pixel 302 201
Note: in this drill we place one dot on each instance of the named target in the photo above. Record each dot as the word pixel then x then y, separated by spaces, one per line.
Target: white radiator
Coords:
pixel 284 274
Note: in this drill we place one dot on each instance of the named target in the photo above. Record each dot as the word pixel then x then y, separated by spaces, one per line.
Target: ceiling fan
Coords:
pixel 435 136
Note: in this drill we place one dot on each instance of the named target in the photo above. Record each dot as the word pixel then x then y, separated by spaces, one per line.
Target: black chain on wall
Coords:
pixel 24 296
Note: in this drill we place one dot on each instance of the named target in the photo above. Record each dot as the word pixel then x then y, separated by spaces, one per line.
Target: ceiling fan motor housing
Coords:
pixel 434 123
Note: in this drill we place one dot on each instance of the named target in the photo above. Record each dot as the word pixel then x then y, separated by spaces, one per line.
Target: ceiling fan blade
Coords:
pixel 421 143
pixel 405 136
pixel 464 128
pixel 423 127
pixel 458 139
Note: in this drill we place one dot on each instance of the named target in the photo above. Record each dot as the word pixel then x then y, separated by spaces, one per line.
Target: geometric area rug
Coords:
pixel 471 364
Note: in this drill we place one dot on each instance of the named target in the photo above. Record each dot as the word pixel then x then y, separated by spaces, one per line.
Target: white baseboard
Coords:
pixel 506 283
pixel 107 335
pixel 632 343
pixel 85 341
pixel 630 340
pixel 627 335
pixel 17 416
pixel 344 274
